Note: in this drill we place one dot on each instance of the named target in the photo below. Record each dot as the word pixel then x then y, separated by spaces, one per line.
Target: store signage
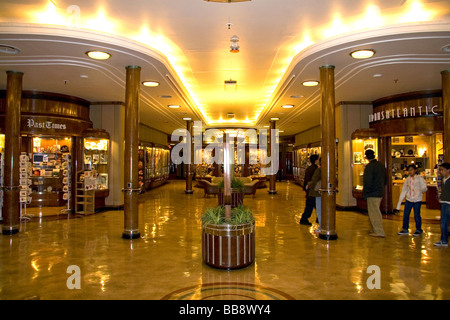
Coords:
pixel 31 123
pixel 398 113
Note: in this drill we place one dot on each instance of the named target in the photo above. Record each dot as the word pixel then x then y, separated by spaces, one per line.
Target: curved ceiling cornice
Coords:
pixel 336 52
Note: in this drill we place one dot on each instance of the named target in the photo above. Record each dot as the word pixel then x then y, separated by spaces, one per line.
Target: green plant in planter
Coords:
pixel 216 215
pixel 235 184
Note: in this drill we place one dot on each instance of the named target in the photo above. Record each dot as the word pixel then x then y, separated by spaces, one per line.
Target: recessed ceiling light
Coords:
pixel 173 106
pixel 274 119
pixel 98 55
pixel 280 131
pixel 8 49
pixel 150 83
pixel 187 119
pixel 362 54
pixel 165 96
pixel 266 126
pixel 287 106
pixel 296 96
pixel 446 48
pixel 84 76
pixel 310 83
pixel 377 75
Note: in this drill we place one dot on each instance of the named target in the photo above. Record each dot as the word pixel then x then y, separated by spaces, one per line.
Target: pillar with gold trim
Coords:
pixel 328 163
pixel 131 180
pixel 11 187
pixel 273 177
pixel 189 166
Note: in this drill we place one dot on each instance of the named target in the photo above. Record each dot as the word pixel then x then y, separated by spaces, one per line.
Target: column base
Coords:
pixel 189 191
pixel 272 191
pixel 130 235
pixel 328 236
pixel 10 231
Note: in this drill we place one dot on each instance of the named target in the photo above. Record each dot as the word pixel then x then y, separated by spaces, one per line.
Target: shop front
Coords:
pixel 153 165
pixel 404 129
pixel 56 142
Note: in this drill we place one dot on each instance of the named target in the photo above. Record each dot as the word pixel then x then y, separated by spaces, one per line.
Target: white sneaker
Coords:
pixel 440 244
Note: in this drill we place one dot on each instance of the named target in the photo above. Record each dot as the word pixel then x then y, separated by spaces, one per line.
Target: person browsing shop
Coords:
pixel 444 171
pixel 413 189
pixel 310 200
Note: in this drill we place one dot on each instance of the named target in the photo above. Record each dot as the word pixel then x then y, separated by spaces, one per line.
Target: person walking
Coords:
pixel 314 186
pixel 444 171
pixel 413 189
pixel 373 191
pixel 310 201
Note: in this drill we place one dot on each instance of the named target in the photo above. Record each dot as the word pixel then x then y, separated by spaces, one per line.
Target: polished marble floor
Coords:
pixel 166 263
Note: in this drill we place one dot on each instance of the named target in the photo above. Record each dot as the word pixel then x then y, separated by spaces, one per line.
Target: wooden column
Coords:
pixel 446 107
pixel 385 157
pixel 189 166
pixel 328 168
pixel 11 189
pixel 131 188
pixel 273 177
pixel 77 166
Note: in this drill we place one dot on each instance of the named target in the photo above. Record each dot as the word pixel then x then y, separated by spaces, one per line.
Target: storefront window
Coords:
pixel 359 147
pixel 96 161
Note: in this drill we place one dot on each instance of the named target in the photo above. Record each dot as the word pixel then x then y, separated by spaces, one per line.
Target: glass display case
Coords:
pixel 153 165
pixel 362 140
pixel 96 160
pixel 301 161
pixel 50 174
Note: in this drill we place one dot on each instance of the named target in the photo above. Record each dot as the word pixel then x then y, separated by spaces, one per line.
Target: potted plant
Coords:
pixel 228 237
pixel 237 192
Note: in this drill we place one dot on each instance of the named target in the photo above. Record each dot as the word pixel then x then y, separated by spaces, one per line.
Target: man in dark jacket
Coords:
pixel 310 201
pixel 373 191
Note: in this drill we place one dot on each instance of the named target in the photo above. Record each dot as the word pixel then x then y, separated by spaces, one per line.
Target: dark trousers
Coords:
pixel 445 219
pixel 310 206
pixel 416 207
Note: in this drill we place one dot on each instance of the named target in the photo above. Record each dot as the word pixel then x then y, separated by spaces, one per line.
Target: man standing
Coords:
pixel 373 191
pixel 310 201
pixel 444 171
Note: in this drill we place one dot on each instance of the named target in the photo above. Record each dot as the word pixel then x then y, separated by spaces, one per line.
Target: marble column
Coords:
pixel 328 167
pixel 446 107
pixel 189 167
pixel 273 177
pixel 131 182
pixel 11 189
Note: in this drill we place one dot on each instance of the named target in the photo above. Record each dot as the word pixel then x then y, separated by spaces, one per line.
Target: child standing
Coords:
pixel 413 189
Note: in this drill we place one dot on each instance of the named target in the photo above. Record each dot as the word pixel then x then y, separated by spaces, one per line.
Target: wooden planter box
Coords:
pixel 237 197
pixel 228 246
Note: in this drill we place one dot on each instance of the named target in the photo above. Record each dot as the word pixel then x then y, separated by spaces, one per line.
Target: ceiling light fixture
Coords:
pixel 227 1
pixel 362 54
pixel 234 44
pixel 446 48
pixel 287 106
pixel 296 96
pixel 187 119
pixel 310 83
pixel 150 83
pixel 377 75
pixel 8 49
pixel 274 119
pixel 98 55
pixel 173 106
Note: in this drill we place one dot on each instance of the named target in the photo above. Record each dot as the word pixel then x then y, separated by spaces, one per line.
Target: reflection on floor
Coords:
pixel 291 263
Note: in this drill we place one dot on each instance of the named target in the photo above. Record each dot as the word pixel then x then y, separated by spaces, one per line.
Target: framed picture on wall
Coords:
pixel 103 159
pixel 357 157
pixel 409 139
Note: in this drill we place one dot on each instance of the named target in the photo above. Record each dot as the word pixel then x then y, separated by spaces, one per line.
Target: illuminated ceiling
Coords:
pixel 185 45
